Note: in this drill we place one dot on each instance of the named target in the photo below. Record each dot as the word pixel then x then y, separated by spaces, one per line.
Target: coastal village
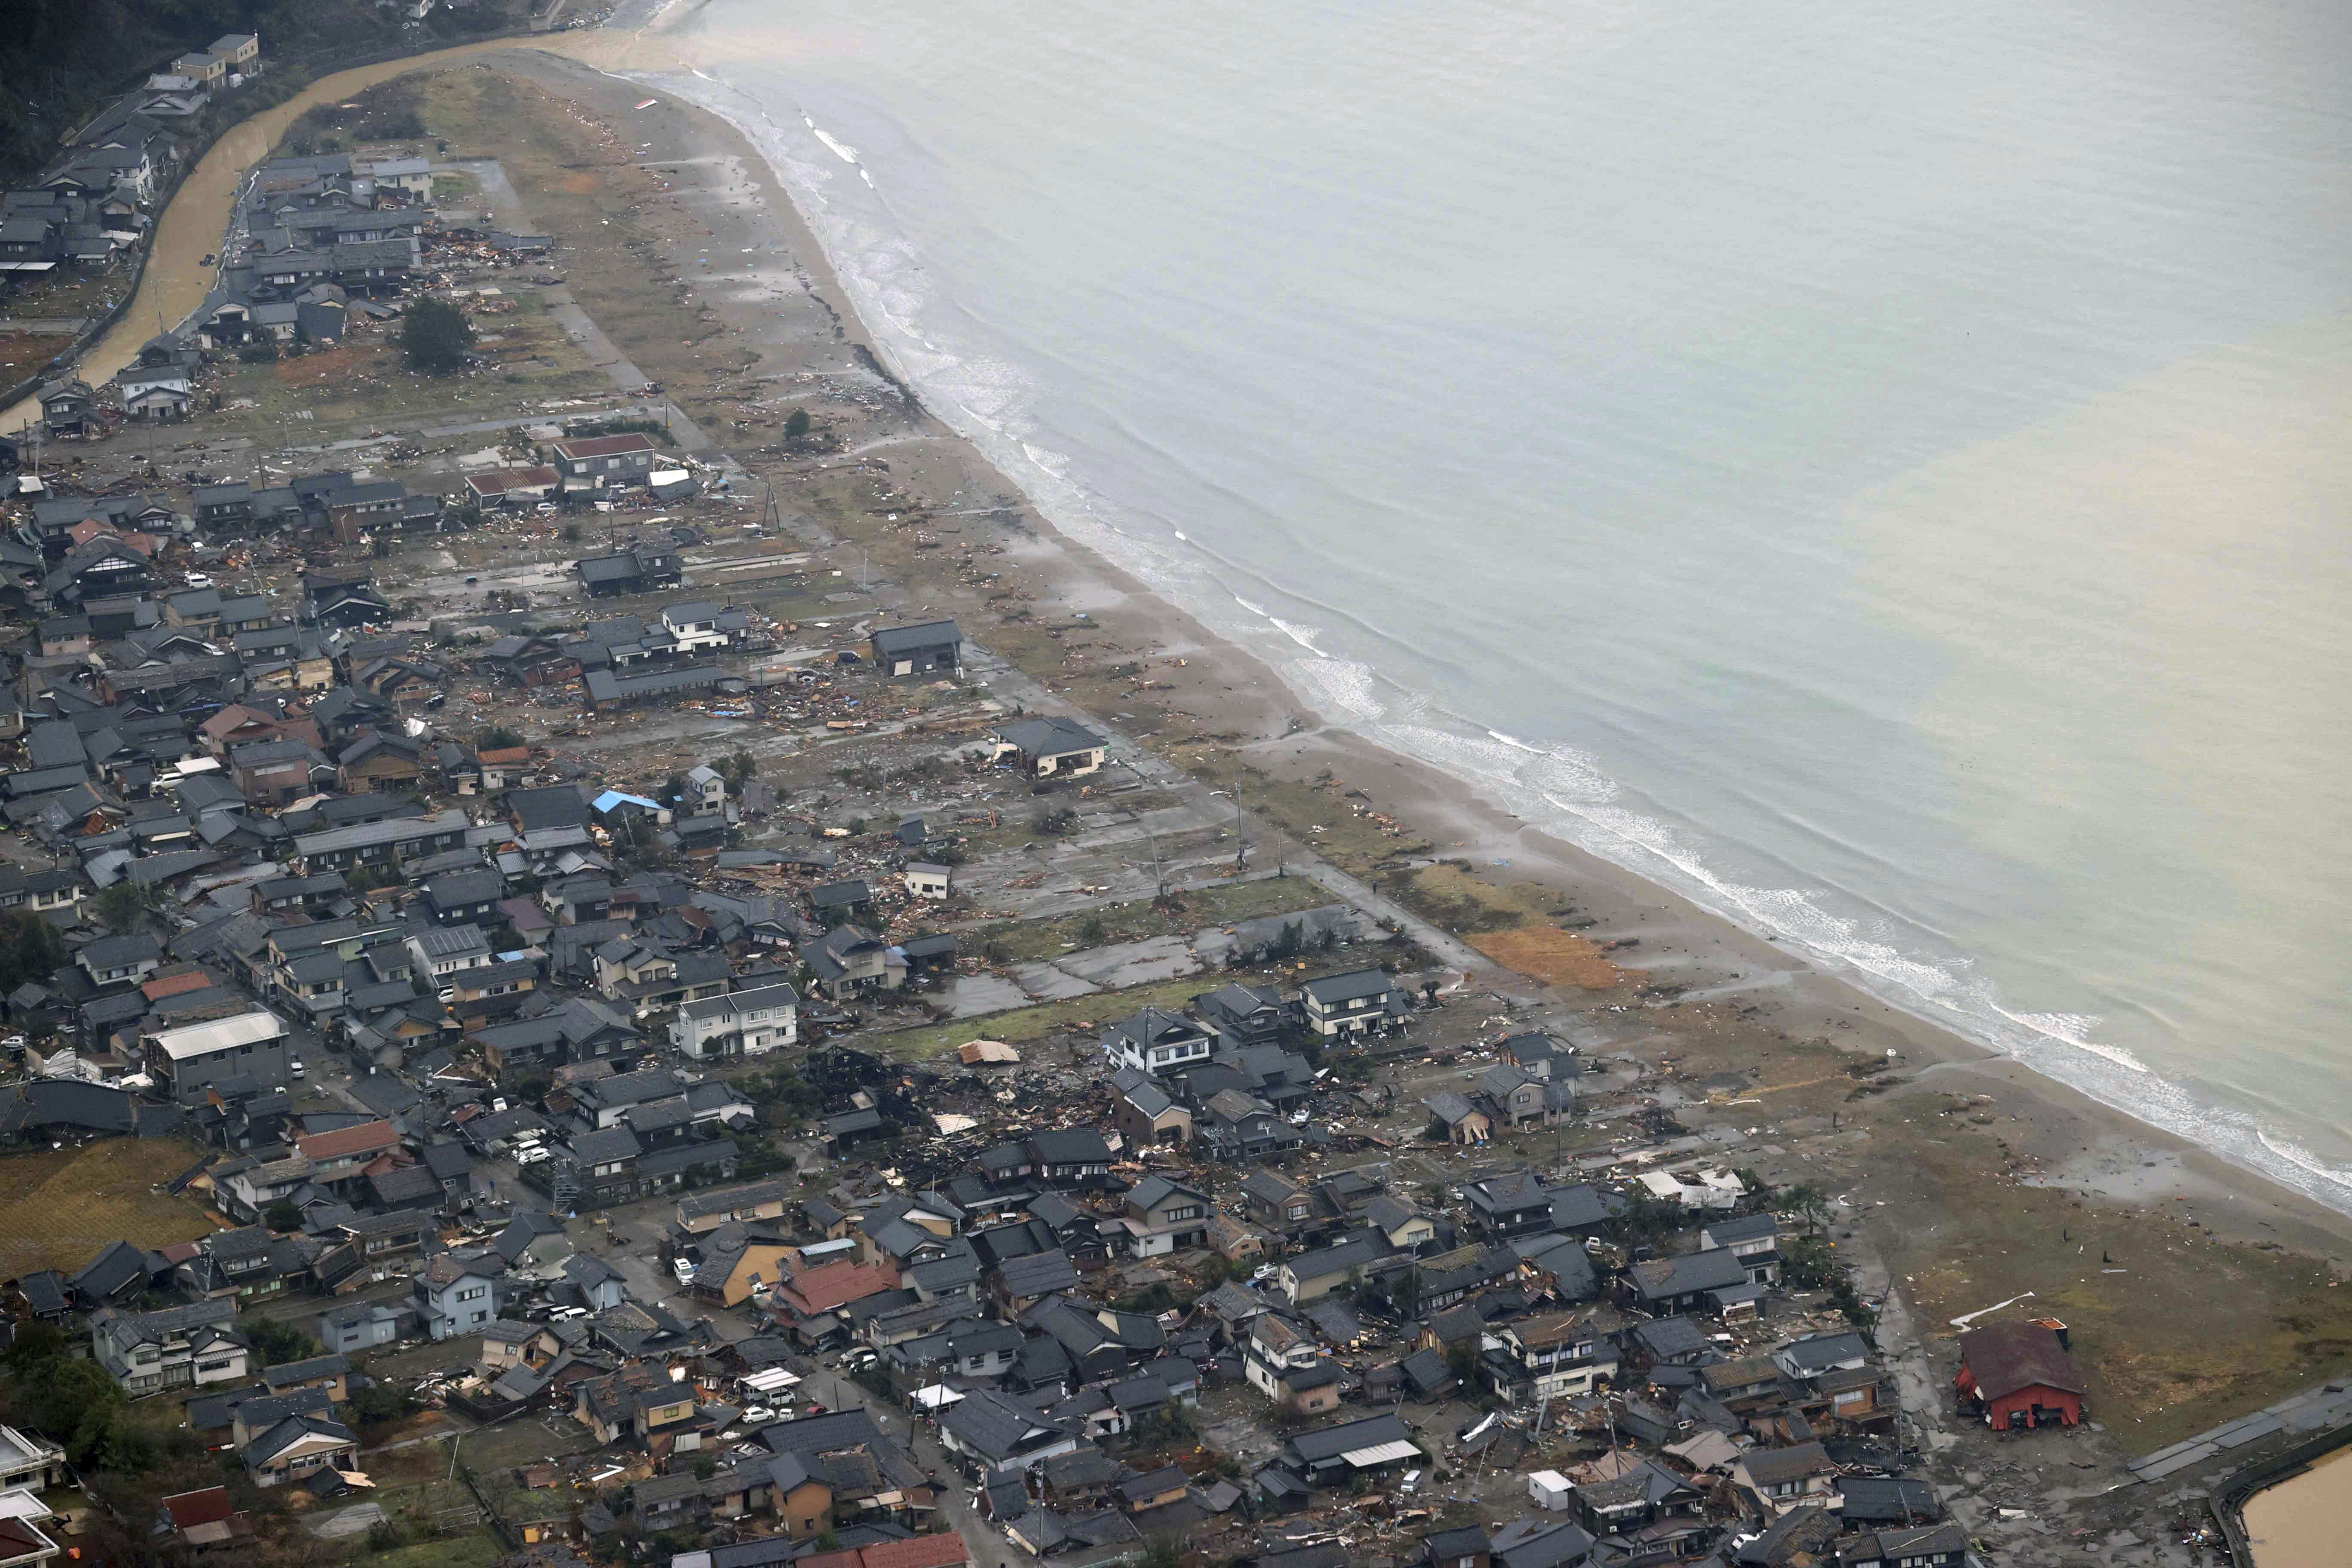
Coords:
pixel 562 1021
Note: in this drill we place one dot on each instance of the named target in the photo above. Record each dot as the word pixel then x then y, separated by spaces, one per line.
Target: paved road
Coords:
pixel 985 1542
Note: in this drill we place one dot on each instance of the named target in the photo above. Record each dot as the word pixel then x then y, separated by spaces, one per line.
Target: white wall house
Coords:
pixel 194 1346
pixel 740 1024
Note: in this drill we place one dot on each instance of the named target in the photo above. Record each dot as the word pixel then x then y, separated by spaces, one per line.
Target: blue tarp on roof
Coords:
pixel 613 797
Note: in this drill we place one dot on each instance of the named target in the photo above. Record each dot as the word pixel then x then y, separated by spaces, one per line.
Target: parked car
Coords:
pixel 683 1269
pixel 294 1067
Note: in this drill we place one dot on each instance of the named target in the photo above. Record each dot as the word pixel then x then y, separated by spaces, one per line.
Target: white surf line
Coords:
pixel 1962 1322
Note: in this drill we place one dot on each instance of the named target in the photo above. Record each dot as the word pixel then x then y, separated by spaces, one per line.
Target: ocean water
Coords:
pixel 1879 469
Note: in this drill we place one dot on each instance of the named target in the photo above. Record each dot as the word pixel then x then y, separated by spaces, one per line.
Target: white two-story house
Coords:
pixel 740 1024
pixel 196 1346
pixel 694 627
pixel 1157 1042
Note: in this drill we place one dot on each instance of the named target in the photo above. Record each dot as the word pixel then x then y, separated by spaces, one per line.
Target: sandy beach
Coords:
pixel 1965 1177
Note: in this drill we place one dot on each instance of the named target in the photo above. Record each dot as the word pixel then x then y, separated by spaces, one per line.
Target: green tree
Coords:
pixel 32 952
pixel 60 1393
pixel 35 1343
pixel 796 423
pixel 106 1438
pixel 275 1343
pixel 282 1216
pixel 497 737
pixel 120 906
pixel 382 1401
pixel 1092 933
pixel 1809 1204
pixel 435 336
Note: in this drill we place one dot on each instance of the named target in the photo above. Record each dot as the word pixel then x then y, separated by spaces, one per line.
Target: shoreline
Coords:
pixel 1956 1172
pixel 1713 953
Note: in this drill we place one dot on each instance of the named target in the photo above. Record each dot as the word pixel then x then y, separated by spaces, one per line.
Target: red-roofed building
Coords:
pixel 514 485
pixel 820 1290
pixel 348 1150
pixel 944 1551
pixel 2019 1375
pixel 179 984
pixel 205 1518
pixel 23 1546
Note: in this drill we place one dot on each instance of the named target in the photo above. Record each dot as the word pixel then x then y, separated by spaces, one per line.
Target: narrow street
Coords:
pixel 984 1541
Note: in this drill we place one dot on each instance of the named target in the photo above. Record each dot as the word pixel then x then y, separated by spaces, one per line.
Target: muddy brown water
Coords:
pixel 2305 1522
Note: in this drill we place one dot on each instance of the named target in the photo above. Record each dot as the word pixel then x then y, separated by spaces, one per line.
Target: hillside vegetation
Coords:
pixel 61 60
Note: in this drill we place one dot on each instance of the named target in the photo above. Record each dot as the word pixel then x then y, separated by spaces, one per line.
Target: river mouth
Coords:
pixel 2304 1522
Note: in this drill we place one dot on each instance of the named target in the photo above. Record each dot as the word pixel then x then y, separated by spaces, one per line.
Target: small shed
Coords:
pixel 1551 1491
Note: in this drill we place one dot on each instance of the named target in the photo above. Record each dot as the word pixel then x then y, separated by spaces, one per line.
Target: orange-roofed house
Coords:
pixel 822 1290
pixel 345 1153
pixel 175 985
pixel 942 1550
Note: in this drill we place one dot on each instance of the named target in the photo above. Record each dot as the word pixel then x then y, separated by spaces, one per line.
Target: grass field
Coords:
pixel 1030 1022
pixel 1024 940
pixel 1509 923
pixel 60 1207
pixel 2162 1363
pixel 473 1549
